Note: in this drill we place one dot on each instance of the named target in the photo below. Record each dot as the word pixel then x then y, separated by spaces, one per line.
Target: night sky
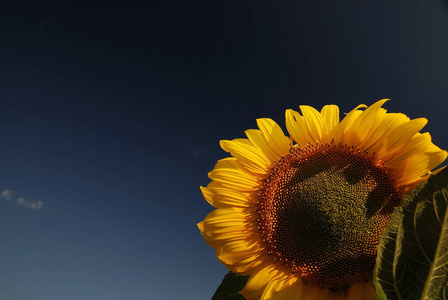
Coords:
pixel 111 114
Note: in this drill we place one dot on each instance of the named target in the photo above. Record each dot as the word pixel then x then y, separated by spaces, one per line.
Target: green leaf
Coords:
pixel 230 286
pixel 412 261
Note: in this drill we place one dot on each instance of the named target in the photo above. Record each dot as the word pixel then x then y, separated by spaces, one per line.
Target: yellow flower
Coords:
pixel 302 215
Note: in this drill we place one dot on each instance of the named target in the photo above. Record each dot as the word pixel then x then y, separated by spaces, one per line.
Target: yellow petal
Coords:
pixel 315 292
pixel 274 136
pixel 250 157
pixel 291 289
pixel 225 217
pixel 314 122
pixel 330 117
pixel 286 288
pixel 272 289
pixel 227 163
pixel 385 123
pixel 362 290
pixel 418 166
pixel 236 251
pixel 419 144
pixel 240 256
pixel 217 240
pixel 399 136
pixel 256 138
pixel 295 124
pixel 258 280
pixel 437 170
pixel 234 179
pixel 340 135
pixel 364 123
pixel 222 197
pixel 224 225
pixel 201 227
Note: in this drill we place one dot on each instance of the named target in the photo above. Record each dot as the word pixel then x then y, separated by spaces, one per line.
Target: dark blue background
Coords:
pixel 111 113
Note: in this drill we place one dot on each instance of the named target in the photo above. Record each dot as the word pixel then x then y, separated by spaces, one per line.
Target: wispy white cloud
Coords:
pixel 7 195
pixel 11 196
pixel 30 204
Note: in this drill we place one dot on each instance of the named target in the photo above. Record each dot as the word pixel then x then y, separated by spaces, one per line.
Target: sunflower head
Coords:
pixel 302 215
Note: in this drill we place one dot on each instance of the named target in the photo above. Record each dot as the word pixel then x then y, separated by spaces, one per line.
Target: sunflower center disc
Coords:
pixel 322 210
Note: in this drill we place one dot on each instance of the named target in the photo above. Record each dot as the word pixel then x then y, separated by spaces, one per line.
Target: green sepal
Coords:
pixel 230 287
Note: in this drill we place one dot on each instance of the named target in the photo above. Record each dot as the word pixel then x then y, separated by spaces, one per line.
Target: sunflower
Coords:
pixel 302 215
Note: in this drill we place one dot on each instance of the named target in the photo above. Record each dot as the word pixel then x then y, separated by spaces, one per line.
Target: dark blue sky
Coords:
pixel 111 113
